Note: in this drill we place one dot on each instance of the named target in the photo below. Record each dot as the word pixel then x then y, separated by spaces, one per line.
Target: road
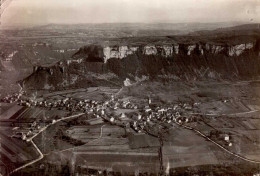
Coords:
pixel 35 146
pixel 231 114
pixel 217 144
pixel 32 162
pixel 101 132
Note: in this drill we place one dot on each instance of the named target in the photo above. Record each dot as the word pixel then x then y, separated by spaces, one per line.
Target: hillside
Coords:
pixel 218 54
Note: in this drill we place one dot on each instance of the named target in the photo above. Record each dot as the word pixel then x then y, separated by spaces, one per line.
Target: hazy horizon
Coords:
pixel 43 12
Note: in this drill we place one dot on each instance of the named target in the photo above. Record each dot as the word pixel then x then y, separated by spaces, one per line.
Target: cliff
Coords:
pixel 185 58
pixel 170 50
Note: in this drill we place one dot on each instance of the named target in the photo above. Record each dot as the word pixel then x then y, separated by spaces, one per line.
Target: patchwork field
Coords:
pixel 15 152
pixel 92 93
pixel 7 111
pixel 184 148
pixel 93 143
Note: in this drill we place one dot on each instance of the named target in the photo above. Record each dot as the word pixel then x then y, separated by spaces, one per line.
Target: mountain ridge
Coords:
pixel 183 57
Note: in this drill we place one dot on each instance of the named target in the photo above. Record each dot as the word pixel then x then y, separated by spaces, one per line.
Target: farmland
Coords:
pixel 100 145
pixel 15 152
pixel 97 143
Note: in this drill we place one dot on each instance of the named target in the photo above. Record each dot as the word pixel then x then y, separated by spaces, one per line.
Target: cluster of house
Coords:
pixel 12 98
pixel 87 105
pixel 223 137
pixel 139 121
pixel 141 117
pixel 144 117
pixel 227 139
pixel 66 103
pixel 149 116
pixel 25 133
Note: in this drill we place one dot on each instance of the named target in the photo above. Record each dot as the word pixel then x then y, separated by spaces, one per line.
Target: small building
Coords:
pixel 139 116
pixel 112 119
pixel 123 115
pixel 148 110
pixel 226 137
pixel 149 101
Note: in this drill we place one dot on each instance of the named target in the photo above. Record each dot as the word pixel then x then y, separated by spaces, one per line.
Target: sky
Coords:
pixel 37 12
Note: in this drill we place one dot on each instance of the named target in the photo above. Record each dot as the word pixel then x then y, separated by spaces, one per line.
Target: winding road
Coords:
pixel 35 146
pixel 41 155
pixel 217 144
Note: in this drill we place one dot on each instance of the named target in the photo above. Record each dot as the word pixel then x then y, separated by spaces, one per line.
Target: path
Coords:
pixel 35 146
pixel 217 144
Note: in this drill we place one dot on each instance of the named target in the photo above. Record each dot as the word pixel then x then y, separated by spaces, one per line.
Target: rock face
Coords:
pixel 121 52
pixel 237 50
pixel 150 50
pixel 214 49
pixel 97 65
pixel 176 49
pixel 191 49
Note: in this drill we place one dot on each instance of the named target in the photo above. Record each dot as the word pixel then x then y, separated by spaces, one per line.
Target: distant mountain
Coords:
pixel 113 30
pixel 251 26
pixel 132 26
pixel 238 30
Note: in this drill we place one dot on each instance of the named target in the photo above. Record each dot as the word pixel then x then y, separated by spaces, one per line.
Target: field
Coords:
pixel 227 107
pixel 211 83
pixel 108 149
pixel 14 152
pixel 91 93
pixel 184 148
pixel 7 111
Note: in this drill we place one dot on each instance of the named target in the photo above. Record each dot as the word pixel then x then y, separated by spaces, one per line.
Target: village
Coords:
pixel 74 120
pixel 143 119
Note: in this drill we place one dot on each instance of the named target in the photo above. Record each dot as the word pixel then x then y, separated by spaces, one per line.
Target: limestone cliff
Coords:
pixel 95 65
pixel 170 50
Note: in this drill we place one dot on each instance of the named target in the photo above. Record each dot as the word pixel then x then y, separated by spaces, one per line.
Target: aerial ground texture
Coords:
pixel 107 104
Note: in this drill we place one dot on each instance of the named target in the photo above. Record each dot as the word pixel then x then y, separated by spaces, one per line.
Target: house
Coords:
pixel 139 116
pixel 123 115
pixel 21 135
pixel 112 98
pixel 161 110
pixel 148 110
pixel 226 137
pixel 149 101
pixel 112 119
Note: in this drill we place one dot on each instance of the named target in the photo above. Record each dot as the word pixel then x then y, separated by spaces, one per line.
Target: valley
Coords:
pixel 106 104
